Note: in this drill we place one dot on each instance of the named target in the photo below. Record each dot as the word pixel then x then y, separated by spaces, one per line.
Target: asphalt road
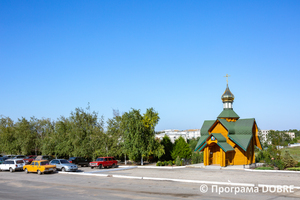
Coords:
pixel 19 185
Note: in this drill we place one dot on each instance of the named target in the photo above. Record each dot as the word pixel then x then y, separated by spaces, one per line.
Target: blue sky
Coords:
pixel 56 56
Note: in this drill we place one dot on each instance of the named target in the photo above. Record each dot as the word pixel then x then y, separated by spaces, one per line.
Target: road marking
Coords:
pixel 167 179
pixel 162 179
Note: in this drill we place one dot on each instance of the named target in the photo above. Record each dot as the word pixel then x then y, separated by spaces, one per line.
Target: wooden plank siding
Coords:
pixel 213 154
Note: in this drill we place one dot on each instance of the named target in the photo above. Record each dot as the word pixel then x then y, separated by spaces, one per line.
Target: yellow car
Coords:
pixel 39 166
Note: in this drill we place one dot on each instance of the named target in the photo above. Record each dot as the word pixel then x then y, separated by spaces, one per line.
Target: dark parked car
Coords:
pixel 19 157
pixel 79 161
pixel 2 159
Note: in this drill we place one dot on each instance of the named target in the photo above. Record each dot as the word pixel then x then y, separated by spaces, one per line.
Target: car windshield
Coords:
pixel 99 159
pixel 45 163
pixel 64 161
pixel 19 161
pixel 72 158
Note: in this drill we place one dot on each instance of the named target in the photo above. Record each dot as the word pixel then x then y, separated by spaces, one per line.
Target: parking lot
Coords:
pixel 130 185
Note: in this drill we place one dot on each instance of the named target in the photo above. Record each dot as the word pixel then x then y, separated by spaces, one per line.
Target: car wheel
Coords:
pixel 26 171
pixel 39 172
pixel 92 167
pixel 63 169
pixel 114 165
pixel 100 167
pixel 11 170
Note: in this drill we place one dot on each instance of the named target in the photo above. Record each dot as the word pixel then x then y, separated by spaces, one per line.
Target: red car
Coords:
pixel 102 162
pixel 29 159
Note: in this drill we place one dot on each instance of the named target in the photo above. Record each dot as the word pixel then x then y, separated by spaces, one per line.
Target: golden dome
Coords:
pixel 227 95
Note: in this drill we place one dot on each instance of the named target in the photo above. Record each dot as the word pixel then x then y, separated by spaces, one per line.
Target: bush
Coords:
pixel 279 164
pixel 170 163
pixel 166 163
pixel 272 157
pixel 158 163
pixel 294 168
pixel 173 162
pixel 264 168
pixel 177 161
pixel 298 164
pixel 260 156
pixel 197 157
pixel 288 160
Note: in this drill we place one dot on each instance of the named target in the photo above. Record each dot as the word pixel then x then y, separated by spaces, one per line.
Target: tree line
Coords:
pixel 85 134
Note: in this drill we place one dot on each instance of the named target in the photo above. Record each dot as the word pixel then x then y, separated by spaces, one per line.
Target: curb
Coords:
pixel 272 171
pixel 158 167
pixel 155 167
pixel 99 171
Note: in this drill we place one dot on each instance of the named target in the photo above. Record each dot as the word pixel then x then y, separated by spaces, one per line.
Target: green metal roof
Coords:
pixel 228 113
pixel 225 146
pixel 206 126
pixel 242 140
pixel 240 132
pixel 219 137
pixel 228 125
pixel 244 126
pixel 203 146
pixel 201 141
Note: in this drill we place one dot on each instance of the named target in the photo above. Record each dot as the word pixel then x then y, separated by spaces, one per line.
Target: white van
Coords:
pixel 12 165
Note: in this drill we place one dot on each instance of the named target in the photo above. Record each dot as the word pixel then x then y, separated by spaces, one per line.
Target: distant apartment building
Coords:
pixel 175 134
pixel 291 134
pixel 264 134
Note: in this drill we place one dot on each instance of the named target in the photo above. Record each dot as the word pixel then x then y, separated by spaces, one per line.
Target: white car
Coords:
pixel 12 165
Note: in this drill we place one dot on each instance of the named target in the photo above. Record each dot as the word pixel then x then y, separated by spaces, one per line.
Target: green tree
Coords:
pixel 193 142
pixel 44 129
pixel 278 138
pixel 8 138
pixel 181 149
pixel 83 127
pixel 156 149
pixel 115 135
pixel 139 132
pixel 26 136
pixel 59 142
pixel 168 147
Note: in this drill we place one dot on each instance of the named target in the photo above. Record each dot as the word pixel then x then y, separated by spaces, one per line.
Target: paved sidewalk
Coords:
pixel 235 167
pixel 200 174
